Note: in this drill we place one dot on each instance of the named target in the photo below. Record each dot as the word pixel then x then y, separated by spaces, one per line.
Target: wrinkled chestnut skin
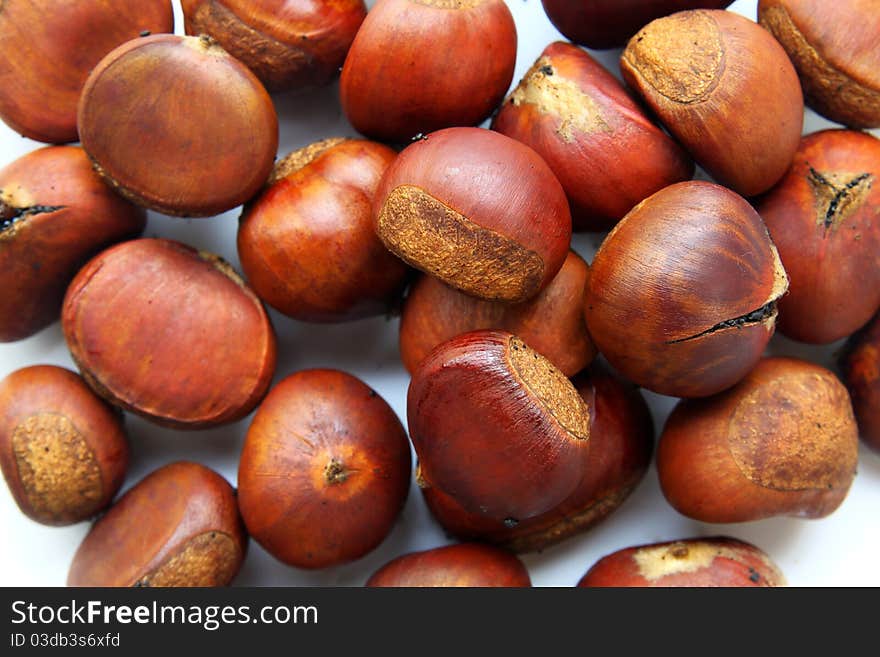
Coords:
pixel 681 296
pixel 833 46
pixel 55 213
pixel 497 427
pixel 392 88
pixel 307 244
pixel 170 333
pixel 288 44
pixel 177 125
pixel 824 217
pixel 462 565
pixel 552 323
pixel 782 442
pixel 725 88
pixel 694 562
pixel 621 444
pixel 179 526
pixel 63 451
pixel 860 365
pixel 605 151
pixel 48 48
pixel 478 210
pixel 325 470
pixel 603 24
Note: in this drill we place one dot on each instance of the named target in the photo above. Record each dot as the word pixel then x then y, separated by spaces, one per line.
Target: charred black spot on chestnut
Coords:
pixel 10 214
pixel 510 523
pixel 841 193
pixel 762 314
pixel 546 69
pixel 145 33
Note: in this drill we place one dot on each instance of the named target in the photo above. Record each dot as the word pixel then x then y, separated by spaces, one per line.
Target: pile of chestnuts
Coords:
pixel 321 293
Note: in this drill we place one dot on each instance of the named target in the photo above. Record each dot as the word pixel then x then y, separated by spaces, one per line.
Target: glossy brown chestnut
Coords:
pixel 682 293
pixel 860 364
pixel 63 451
pixel 325 470
pixel 605 151
pixel 462 565
pixel 781 442
pixel 824 217
pixel 48 48
pixel 393 89
pixel 702 562
pixel 621 444
pixel 55 213
pixel 178 125
pixel 478 210
pixel 725 89
pixel 833 46
pixel 307 243
pixel 179 526
pixel 602 24
pixel 170 333
pixel 496 426
pixel 552 323
pixel 288 44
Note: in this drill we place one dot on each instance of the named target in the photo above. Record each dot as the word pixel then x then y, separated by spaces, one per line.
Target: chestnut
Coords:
pixel 325 470
pixel 288 44
pixel 725 89
pixel 715 561
pixel 478 210
pixel 177 125
pixel 552 323
pixel 392 88
pixel 48 48
pixel 603 24
pixel 783 441
pixel 834 48
pixel 682 293
pixel 63 451
pixel 307 243
pixel 621 443
pixel 170 333
pixel 496 426
pixel 464 565
pixel 55 214
pixel 860 365
pixel 179 526
pixel 823 217
pixel 605 151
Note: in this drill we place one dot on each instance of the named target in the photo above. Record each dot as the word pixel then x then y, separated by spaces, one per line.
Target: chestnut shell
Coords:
pixel 860 366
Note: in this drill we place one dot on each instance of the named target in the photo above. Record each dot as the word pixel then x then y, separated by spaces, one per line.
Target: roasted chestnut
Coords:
pixel 860 363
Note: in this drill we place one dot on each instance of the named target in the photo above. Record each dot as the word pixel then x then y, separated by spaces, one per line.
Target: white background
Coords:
pixel 840 550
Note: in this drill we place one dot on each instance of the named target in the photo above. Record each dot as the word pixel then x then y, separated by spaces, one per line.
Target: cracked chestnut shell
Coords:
pixel 325 470
pixel 607 154
pixel 462 565
pixel 55 214
pixel 782 442
pixel 392 90
pixel 860 366
pixel 834 48
pixel 178 125
pixel 288 44
pixel 621 444
pixel 478 210
pixel 307 243
pixel 824 217
pixel 170 333
pixel 715 561
pixel 178 526
pixel 496 426
pixel 725 88
pixel 63 451
pixel 48 48
pixel 552 323
pixel 682 293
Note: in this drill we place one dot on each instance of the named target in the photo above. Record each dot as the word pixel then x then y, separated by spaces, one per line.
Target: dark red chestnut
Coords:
pixel 783 441
pixel 325 470
pixel 478 210
pixel 824 217
pixel 860 364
